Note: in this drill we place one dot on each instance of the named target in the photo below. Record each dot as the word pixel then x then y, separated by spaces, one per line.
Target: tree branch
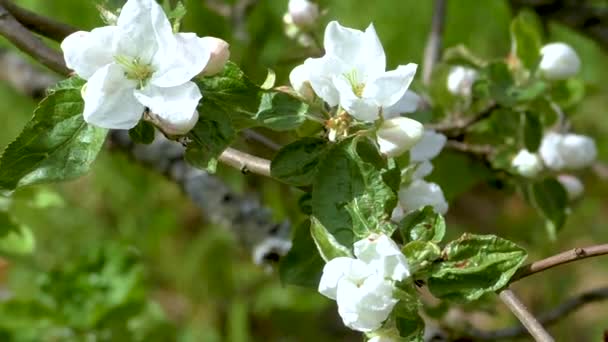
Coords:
pixel 21 37
pixel 559 259
pixel 42 25
pixel 432 50
pixel 245 162
pixel 535 329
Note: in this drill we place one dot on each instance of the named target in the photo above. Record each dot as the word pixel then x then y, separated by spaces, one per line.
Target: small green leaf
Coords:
pixel 500 84
pixel 297 163
pixel 550 197
pixel 526 39
pixel 143 133
pixel 55 145
pixel 461 55
pixel 568 93
pixel 270 80
pixel 302 265
pixel 281 112
pixel 407 320
pixel 420 255
pixel 533 132
pixel 475 265
pixel 15 239
pixel 530 92
pixel 422 225
pixel 212 134
pixel 328 246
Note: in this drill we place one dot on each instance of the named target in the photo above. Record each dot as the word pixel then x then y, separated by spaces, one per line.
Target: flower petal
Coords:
pixel 109 101
pixel 420 194
pixel 175 107
pixel 359 108
pixel 408 103
pixel 389 87
pixel 382 254
pixel 179 59
pixel 428 147
pixel 321 73
pixel 87 52
pixel 333 271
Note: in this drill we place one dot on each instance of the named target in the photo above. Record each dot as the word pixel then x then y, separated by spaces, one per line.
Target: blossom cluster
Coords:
pixel 364 286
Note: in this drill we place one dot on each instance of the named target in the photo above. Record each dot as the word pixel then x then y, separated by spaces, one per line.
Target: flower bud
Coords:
pixel 527 164
pixel 300 83
pixel 303 13
pixel 383 338
pixel 559 61
pixel 397 135
pixel 175 127
pixel 220 53
pixel 574 187
pixel 420 194
pixel 460 80
pixel 567 151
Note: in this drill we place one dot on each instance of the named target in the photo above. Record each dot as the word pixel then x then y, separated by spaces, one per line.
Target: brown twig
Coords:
pixel 245 162
pixel 42 25
pixel 19 35
pixel 560 259
pixel 453 128
pixel 476 150
pixel 432 50
pixel 535 329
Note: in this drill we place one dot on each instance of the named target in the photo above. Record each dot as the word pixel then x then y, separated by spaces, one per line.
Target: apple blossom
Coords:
pixel 419 194
pixel 303 13
pixel 559 61
pixel 397 135
pixel 573 185
pixel 219 54
pixel 527 164
pixel 363 286
pixel 426 149
pixel 352 73
pixel 408 103
pixel 460 80
pixel 567 151
pixel 135 64
pixel 300 83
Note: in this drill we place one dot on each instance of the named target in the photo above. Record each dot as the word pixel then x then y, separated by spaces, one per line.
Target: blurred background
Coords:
pixel 123 255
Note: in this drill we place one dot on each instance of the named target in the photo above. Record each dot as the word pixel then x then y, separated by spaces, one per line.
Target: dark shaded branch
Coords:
pixel 532 325
pixel 453 128
pixel 42 25
pixel 21 37
pixel 432 51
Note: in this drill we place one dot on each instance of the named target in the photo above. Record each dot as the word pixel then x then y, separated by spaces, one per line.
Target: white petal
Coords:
pixel 423 169
pixel 389 87
pixel 460 80
pixel 578 151
pixel 321 72
pixel 559 61
pixel 397 135
pixel 408 103
pixel 175 107
pixel 550 151
pixel 573 185
pixel 220 54
pixel 142 27
pixel 333 271
pixel 87 52
pixel 527 164
pixel 179 59
pixel 299 79
pixel 420 194
pixel 109 101
pixel 382 254
pixel 428 147
pixel 359 108
pixel 303 12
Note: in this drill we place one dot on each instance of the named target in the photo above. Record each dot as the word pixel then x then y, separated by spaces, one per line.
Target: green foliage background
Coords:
pixel 122 255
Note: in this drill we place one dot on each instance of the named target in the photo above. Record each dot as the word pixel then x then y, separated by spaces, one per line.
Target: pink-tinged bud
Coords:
pixel 304 13
pixel 176 127
pixel 220 53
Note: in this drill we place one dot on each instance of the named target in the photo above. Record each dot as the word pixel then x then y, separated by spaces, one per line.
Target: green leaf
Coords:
pixel 530 92
pixel 420 256
pixel 550 197
pixel 526 39
pixel 212 134
pixel 143 133
pixel 302 265
pixel 533 132
pixel 500 84
pixel 55 145
pixel 422 225
pixel 475 265
pixel 297 163
pixel 328 246
pixel 350 196
pixel 568 93
pixel 15 239
pixel 461 55
pixel 407 320
pixel 281 112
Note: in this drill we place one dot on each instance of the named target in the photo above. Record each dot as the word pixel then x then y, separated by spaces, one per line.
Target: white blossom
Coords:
pixel 426 149
pixel 559 61
pixel 299 80
pixel 303 13
pixel 219 54
pixel 397 135
pixel 419 194
pixel 573 185
pixel 567 151
pixel 363 287
pixel 353 73
pixel 460 80
pixel 138 63
pixel 382 338
pixel 408 103
pixel 527 164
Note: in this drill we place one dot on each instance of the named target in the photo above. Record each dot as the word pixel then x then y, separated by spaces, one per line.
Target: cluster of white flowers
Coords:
pixel 364 286
pixel 141 63
pixel 352 74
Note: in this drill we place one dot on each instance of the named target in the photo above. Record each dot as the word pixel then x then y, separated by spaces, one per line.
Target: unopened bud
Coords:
pixel 220 53
pixel 303 13
pixel 300 83
pixel 559 61
pixel 397 135
pixel 460 80
pixel 527 164
pixel 567 151
pixel 175 127
pixel 574 187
